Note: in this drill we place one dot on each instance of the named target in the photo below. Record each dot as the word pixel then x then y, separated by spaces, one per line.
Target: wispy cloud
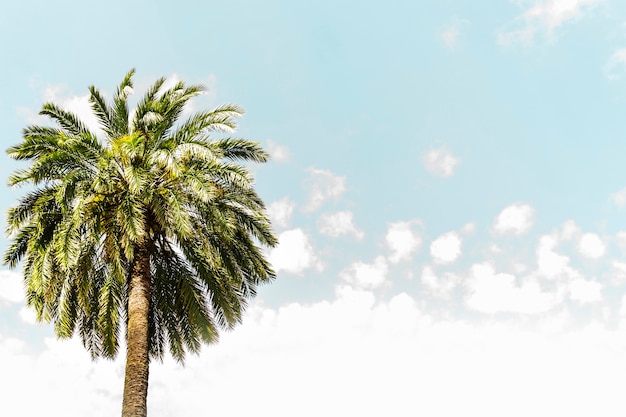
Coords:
pixel 542 19
pixel 338 224
pixel 452 32
pixel 278 152
pixel 440 162
pixel 324 185
pixel 619 197
pixel 614 69
pixel 280 211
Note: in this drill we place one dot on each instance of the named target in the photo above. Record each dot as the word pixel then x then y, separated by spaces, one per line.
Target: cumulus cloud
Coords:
pixel 280 211
pixel 550 263
pixel 440 286
pixel 338 224
pixel 334 349
pixel 62 367
pixel 618 275
pixel 515 219
pixel 571 282
pixel 402 240
pixel 543 18
pixel 622 309
pixel 585 291
pixel 570 230
pixel 446 248
pixel 591 246
pixel 324 185
pixel 366 276
pixel 491 292
pixel 440 162
pixel 11 288
pixel 28 315
pixel 279 153
pixel 294 253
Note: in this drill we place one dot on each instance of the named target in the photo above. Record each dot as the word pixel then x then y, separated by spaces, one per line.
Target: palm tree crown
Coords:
pixel 151 220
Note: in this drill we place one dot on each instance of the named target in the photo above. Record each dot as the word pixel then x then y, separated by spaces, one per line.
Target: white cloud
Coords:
pixel 619 197
pixel 618 275
pixel 11 288
pixel 553 13
pixel 170 82
pixel 324 185
pixel 334 350
pixel 451 33
pixel 62 367
pixel 585 291
pixel 570 230
pixel 468 228
pixel 294 253
pixel 446 248
pixel 279 153
pixel 550 263
pixel 440 286
pixel 516 219
pixel 280 211
pixel 491 292
pixel 366 276
pixel 553 265
pixel 339 224
pixel 28 315
pixel 402 240
pixel 622 309
pixel 79 105
pixel 613 70
pixel 621 240
pixel 440 162
pixel 543 18
pixel 591 246
pixel 495 249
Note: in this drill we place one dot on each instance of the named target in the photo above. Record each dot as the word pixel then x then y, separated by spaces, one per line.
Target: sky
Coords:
pixel 447 184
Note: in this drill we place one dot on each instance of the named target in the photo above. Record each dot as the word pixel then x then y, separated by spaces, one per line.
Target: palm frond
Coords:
pixel 101 109
pixel 69 122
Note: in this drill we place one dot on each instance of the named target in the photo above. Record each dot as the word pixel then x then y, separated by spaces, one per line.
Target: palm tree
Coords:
pixel 149 225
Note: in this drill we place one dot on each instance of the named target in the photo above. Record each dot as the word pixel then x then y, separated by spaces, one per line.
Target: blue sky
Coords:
pixel 448 185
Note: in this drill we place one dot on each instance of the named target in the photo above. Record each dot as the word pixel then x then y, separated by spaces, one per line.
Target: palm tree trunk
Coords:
pixel 137 338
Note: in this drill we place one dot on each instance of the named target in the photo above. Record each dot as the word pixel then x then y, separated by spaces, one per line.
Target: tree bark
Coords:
pixel 134 403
